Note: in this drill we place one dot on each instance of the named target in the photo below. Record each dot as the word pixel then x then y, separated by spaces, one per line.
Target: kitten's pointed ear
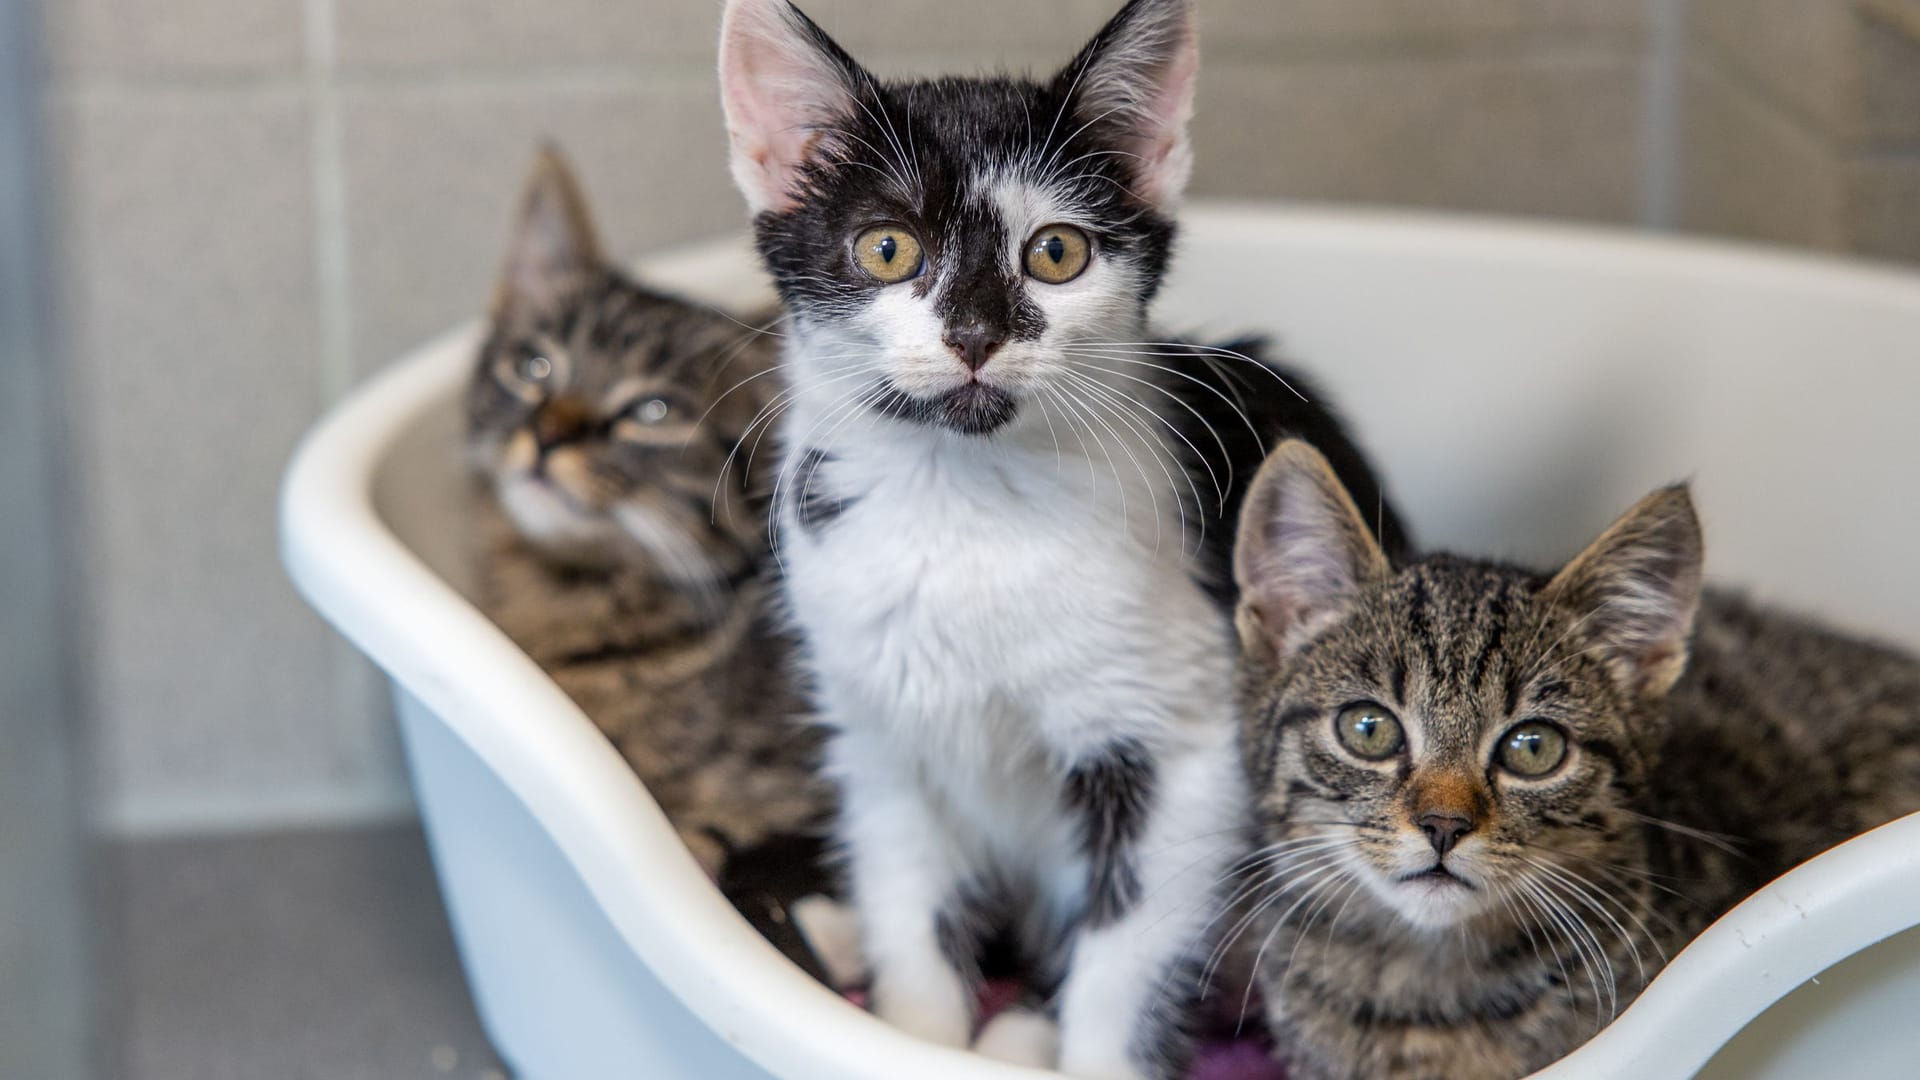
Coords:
pixel 1636 589
pixel 1303 553
pixel 1135 80
pixel 553 238
pixel 782 81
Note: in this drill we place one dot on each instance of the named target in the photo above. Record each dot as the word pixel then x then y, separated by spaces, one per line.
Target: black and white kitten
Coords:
pixel 1004 514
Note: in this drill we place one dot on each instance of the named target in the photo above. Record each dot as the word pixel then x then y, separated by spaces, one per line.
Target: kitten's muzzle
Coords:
pixel 1444 830
pixel 974 343
pixel 559 421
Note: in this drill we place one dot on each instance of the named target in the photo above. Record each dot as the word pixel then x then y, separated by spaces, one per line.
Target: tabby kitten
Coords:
pixel 1005 514
pixel 615 553
pixel 1493 803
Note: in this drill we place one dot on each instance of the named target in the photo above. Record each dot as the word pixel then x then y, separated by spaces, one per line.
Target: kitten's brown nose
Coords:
pixel 973 344
pixel 560 420
pixel 1444 830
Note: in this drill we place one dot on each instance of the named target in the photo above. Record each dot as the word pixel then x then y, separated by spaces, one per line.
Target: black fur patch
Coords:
pixel 964 928
pixel 983 291
pixel 764 882
pixel 1232 404
pixel 973 409
pixel 815 508
pixel 1112 794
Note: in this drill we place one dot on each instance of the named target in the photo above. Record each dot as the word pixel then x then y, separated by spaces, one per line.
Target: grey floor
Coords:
pixel 291 956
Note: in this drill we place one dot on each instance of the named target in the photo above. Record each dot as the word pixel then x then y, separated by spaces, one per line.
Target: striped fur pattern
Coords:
pixel 1431 911
pixel 601 414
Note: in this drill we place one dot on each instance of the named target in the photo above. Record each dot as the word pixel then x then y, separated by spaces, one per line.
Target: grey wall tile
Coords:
pixel 1555 137
pixel 1883 212
pixel 1249 28
pixel 432 174
pixel 141 37
pixel 1751 171
pixel 521 34
pixel 1799 54
pixel 1889 43
pixel 189 263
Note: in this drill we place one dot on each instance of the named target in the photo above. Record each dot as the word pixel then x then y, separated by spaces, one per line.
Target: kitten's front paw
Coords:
pixel 1107 1060
pixel 832 931
pixel 933 1009
pixel 1020 1037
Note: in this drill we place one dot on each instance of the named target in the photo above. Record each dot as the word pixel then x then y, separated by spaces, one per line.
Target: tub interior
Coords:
pixel 1517 391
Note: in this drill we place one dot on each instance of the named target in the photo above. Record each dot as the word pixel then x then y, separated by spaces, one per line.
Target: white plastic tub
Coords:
pixel 1519 384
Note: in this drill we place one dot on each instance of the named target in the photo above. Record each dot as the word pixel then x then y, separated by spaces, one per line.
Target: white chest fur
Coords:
pixel 979 599
pixel 1033 703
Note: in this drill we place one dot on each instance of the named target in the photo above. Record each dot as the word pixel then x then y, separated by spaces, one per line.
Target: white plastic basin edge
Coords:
pixel 353 570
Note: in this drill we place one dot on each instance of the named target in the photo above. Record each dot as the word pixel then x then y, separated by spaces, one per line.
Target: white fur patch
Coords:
pixel 832 931
pixel 1020 1037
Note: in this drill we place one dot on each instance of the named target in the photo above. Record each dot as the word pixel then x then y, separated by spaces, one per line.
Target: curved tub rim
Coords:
pixel 356 572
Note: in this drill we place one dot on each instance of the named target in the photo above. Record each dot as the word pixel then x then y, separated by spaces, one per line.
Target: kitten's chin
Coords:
pixel 973 408
pixel 557 526
pixel 1434 900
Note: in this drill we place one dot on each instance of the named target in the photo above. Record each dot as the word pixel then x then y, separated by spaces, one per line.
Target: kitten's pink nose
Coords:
pixel 973 344
pixel 1444 830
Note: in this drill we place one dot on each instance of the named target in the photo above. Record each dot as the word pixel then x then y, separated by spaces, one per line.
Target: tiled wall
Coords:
pixel 1805 118
pixel 263 200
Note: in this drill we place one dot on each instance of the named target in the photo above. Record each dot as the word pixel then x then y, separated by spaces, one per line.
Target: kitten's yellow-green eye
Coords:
pixel 1532 749
pixel 889 252
pixel 1058 253
pixel 1369 730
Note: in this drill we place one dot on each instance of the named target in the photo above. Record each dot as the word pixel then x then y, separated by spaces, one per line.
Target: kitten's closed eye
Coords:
pixel 529 373
pixel 653 419
pixel 652 410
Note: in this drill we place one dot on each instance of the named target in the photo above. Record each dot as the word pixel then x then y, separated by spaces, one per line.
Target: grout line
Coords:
pixel 1662 114
pixel 331 256
pixel 404 80
pixel 333 284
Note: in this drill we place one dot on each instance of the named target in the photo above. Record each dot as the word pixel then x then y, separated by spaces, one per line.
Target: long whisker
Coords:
pixel 849 406
pixel 1091 404
pixel 1133 357
pixel 1119 486
pixel 1294 876
pixel 763 419
pixel 1188 349
pixel 1719 841
pixel 1589 898
pixel 1227 458
pixel 1116 405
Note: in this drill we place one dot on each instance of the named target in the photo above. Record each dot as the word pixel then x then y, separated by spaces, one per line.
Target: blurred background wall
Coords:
pixel 259 202
pixel 44 989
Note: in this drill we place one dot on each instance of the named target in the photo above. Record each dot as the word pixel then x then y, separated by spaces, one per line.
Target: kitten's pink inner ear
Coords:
pixel 1304 551
pixel 778 89
pixel 1637 588
pixel 1138 85
pixel 1166 157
